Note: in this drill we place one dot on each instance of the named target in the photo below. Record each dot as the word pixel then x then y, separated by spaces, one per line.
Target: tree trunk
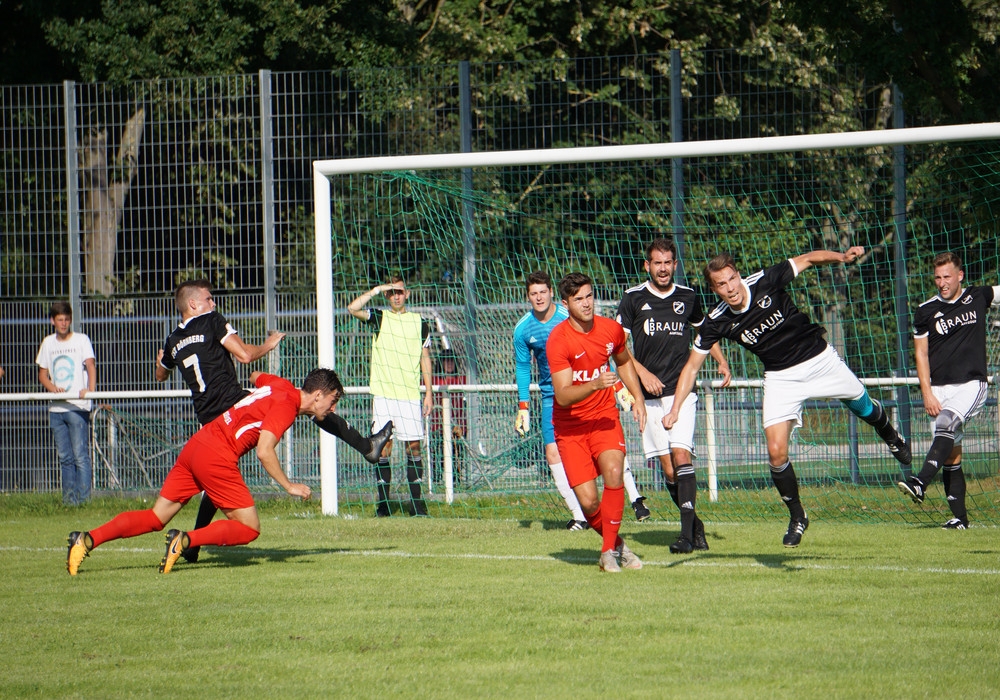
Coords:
pixel 104 196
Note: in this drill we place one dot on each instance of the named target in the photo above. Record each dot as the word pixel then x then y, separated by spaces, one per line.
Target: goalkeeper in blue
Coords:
pixel 530 335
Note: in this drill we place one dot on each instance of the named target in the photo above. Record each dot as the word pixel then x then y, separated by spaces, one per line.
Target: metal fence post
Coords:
pixel 899 262
pixel 72 197
pixel 677 164
pixel 267 212
pixel 469 248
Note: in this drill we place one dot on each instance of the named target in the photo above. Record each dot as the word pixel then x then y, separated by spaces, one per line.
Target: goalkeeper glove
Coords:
pixel 624 396
pixel 523 423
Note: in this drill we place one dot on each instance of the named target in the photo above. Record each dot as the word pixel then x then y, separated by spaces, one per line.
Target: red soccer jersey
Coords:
pixel 272 406
pixel 587 354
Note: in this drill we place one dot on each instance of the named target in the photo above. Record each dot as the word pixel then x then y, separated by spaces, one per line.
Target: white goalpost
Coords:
pixel 324 170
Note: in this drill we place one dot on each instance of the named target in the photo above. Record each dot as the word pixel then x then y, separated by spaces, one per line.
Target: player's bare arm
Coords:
pixel 268 456
pixel 922 357
pixel 162 373
pixel 685 384
pixel 246 353
pixel 425 371
pixel 357 307
pixel 720 359
pixel 826 257
pixel 567 393
pixel 625 364
pixel 649 381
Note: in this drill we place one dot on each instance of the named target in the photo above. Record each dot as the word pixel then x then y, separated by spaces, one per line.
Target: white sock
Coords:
pixel 633 492
pixel 562 485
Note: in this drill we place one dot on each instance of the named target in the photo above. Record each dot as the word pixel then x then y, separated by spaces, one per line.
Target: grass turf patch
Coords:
pixel 440 607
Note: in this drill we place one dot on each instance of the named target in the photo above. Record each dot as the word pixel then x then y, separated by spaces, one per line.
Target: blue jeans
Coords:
pixel 71 432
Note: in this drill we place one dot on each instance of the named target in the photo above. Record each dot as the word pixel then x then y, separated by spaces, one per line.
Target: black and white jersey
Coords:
pixel 660 326
pixel 771 326
pixel 956 334
pixel 195 346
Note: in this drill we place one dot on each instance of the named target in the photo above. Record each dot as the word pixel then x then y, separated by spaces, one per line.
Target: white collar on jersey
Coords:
pixel 662 295
pixel 749 298
pixel 961 293
pixel 183 324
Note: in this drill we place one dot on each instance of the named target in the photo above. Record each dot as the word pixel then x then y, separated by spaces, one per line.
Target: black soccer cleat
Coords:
pixel 699 541
pixel 641 511
pixel 912 488
pixel 900 450
pixel 577 525
pixel 956 524
pixel 190 554
pixel 796 526
pixel 682 546
pixel 378 441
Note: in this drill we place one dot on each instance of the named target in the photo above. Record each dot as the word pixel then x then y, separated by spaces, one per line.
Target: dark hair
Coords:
pixel 397 278
pixel 60 308
pixel 949 257
pixel 187 289
pixel 324 380
pixel 571 283
pixel 538 277
pixel 664 245
pixel 719 262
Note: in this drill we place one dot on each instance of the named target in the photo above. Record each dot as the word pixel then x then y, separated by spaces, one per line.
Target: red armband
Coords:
pixel 522 406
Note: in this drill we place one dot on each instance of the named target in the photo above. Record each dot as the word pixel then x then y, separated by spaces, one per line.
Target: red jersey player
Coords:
pixel 585 417
pixel 209 462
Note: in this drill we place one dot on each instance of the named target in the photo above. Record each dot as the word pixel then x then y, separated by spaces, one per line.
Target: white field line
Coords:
pixel 693 562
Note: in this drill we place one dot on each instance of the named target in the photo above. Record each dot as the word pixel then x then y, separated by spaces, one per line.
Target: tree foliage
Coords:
pixel 944 53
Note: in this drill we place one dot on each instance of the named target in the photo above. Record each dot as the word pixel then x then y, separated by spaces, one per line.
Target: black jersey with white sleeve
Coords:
pixel 770 326
pixel 195 347
pixel 660 327
pixel 956 334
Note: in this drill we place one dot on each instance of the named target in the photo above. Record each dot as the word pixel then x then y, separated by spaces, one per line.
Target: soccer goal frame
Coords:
pixel 323 170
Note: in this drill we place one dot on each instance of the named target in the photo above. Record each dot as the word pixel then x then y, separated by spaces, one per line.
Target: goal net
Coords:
pixel 464 230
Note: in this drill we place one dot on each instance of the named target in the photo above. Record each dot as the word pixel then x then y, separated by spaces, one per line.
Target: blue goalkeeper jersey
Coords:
pixel 530 336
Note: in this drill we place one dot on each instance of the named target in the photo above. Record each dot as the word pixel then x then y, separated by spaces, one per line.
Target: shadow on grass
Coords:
pixel 546 524
pixel 232 557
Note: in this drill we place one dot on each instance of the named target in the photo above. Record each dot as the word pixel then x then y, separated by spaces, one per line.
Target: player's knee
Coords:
pixel 154 521
pixel 948 423
pixel 777 450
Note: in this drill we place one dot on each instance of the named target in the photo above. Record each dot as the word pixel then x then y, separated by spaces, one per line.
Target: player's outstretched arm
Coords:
pixel 826 257
pixel 246 353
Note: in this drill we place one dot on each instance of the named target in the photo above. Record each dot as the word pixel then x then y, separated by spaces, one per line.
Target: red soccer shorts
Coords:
pixel 202 467
pixel 580 446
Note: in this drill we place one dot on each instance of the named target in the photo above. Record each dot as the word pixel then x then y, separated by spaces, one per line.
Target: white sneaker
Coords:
pixel 627 557
pixel 609 562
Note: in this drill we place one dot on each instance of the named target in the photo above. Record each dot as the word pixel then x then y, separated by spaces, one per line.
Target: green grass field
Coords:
pixel 439 607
